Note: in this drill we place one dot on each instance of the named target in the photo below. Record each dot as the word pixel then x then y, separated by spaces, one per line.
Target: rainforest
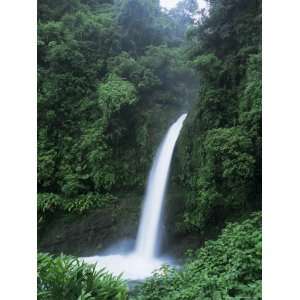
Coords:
pixel 114 79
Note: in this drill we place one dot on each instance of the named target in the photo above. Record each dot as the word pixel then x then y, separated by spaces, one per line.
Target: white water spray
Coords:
pixel 147 240
pixel 140 263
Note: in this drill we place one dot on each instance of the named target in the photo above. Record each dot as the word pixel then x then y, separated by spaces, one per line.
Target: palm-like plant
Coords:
pixel 68 278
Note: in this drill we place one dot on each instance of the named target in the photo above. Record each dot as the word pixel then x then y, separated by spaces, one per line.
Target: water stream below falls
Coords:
pixel 140 263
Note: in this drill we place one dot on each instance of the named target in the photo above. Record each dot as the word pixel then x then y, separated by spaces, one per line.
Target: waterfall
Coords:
pixel 148 238
pixel 143 261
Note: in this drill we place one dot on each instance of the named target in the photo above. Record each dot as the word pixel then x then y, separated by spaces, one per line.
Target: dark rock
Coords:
pixel 92 233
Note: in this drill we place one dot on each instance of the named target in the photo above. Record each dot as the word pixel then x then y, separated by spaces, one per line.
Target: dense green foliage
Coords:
pixel 227 268
pixel 48 204
pixel 67 278
pixel 110 75
pixel 220 147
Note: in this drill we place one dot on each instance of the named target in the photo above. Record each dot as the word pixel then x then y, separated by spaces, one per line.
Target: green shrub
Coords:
pixel 224 183
pixel 48 204
pixel 227 268
pixel 67 278
pixel 86 202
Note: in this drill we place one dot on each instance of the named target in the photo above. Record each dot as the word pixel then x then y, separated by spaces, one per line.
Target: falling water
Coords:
pixel 142 261
pixel 147 240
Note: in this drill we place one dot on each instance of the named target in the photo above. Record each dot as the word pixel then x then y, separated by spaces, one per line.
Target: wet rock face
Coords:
pixel 93 232
pixel 112 230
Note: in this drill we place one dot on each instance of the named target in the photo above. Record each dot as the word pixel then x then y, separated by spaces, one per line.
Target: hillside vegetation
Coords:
pixel 227 268
pixel 112 77
pixel 219 157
